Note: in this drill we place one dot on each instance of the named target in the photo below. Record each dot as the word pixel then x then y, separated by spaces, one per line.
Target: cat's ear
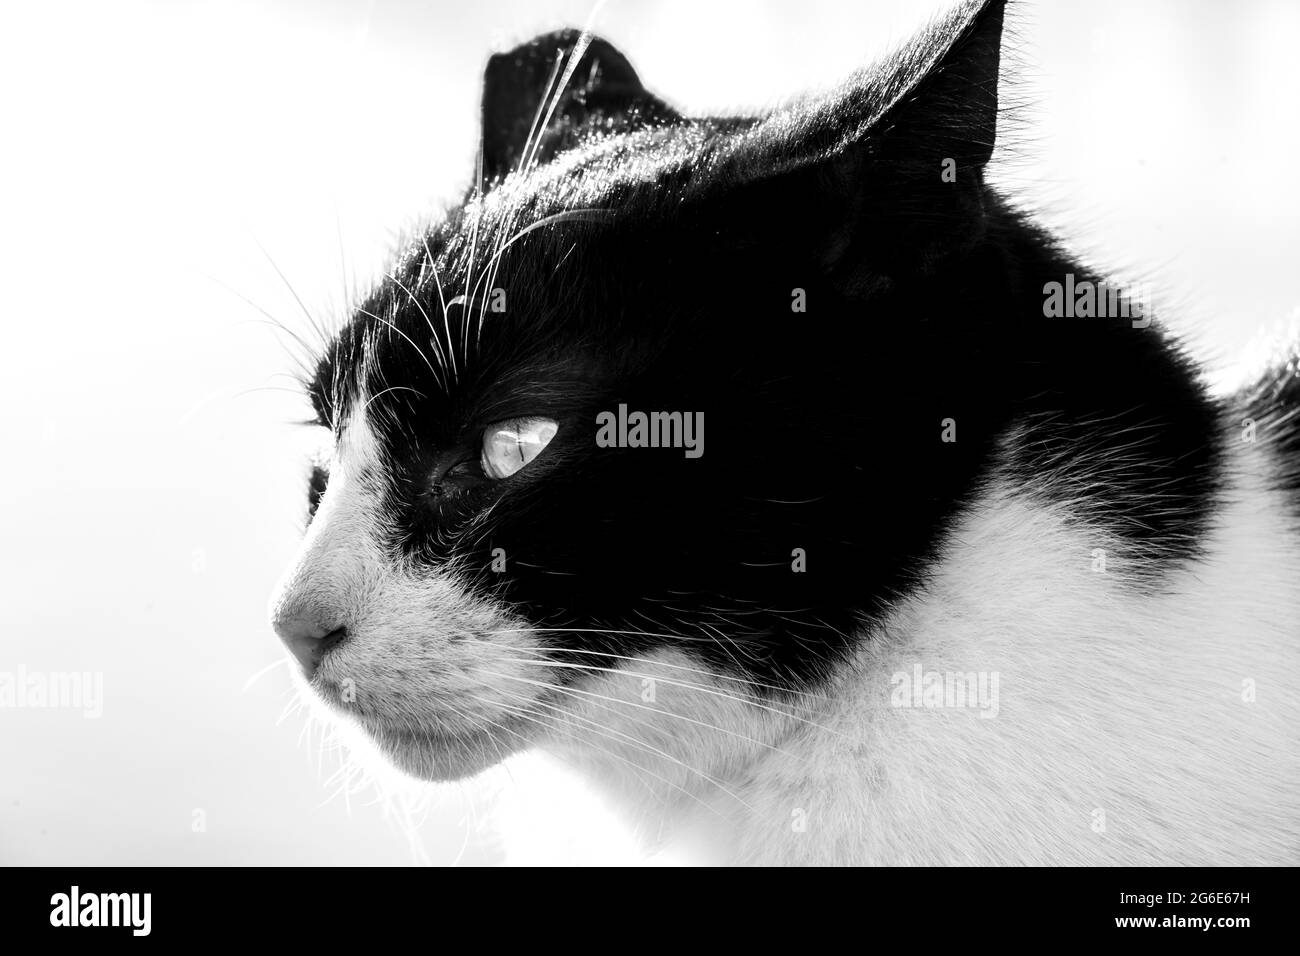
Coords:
pixel 898 153
pixel 942 100
pixel 569 81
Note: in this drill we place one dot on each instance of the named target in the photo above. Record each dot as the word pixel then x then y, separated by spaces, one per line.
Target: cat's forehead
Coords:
pixel 496 299
pixel 429 366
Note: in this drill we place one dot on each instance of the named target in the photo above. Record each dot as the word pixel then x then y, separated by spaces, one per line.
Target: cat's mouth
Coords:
pixel 431 749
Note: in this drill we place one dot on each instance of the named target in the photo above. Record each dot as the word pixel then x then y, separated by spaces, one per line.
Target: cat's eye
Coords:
pixel 509 445
pixel 316 485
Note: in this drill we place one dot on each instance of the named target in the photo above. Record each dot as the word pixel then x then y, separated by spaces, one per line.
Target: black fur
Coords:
pixel 664 282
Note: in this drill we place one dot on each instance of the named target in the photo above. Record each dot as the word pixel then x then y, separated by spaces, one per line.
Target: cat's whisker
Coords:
pixel 635 742
pixel 475 722
pixel 295 704
pixel 538 129
pixel 391 388
pixel 264 388
pixel 550 724
pixel 749 702
pixel 418 350
pixel 442 299
pixel 493 266
pixel 683 717
pixel 525 707
pixel 727 643
pixel 304 361
pixel 433 335
pixel 549 655
pixel 547 105
pixel 640 770
pixel 317 327
pixel 576 54
pixel 343 260
pixel 281 662
pixel 467 304
pixel 640 722
pixel 646 660
pixel 586 214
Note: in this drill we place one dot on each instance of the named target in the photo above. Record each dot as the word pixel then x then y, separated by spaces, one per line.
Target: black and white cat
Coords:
pixel 748 466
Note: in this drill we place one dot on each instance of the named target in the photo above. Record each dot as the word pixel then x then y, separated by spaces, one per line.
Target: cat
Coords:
pixel 954 579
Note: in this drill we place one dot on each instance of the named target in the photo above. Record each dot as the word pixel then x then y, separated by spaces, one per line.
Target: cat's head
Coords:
pixel 789 303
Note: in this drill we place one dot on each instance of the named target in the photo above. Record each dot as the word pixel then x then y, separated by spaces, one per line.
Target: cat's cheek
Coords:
pixel 442 681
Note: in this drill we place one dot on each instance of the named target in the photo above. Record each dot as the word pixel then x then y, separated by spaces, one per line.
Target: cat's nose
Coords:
pixel 307 640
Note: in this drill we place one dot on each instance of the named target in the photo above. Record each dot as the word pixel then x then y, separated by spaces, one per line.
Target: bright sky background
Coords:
pixel 152 489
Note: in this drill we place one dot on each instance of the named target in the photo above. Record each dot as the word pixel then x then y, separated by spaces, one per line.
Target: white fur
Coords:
pixel 1123 731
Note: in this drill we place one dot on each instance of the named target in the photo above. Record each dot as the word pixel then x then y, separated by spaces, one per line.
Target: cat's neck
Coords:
pixel 1043 676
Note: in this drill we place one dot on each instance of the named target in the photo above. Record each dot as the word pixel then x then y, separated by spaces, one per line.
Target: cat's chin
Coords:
pixel 436 756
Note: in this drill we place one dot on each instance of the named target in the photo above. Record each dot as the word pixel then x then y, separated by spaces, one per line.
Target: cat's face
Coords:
pixel 492 539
